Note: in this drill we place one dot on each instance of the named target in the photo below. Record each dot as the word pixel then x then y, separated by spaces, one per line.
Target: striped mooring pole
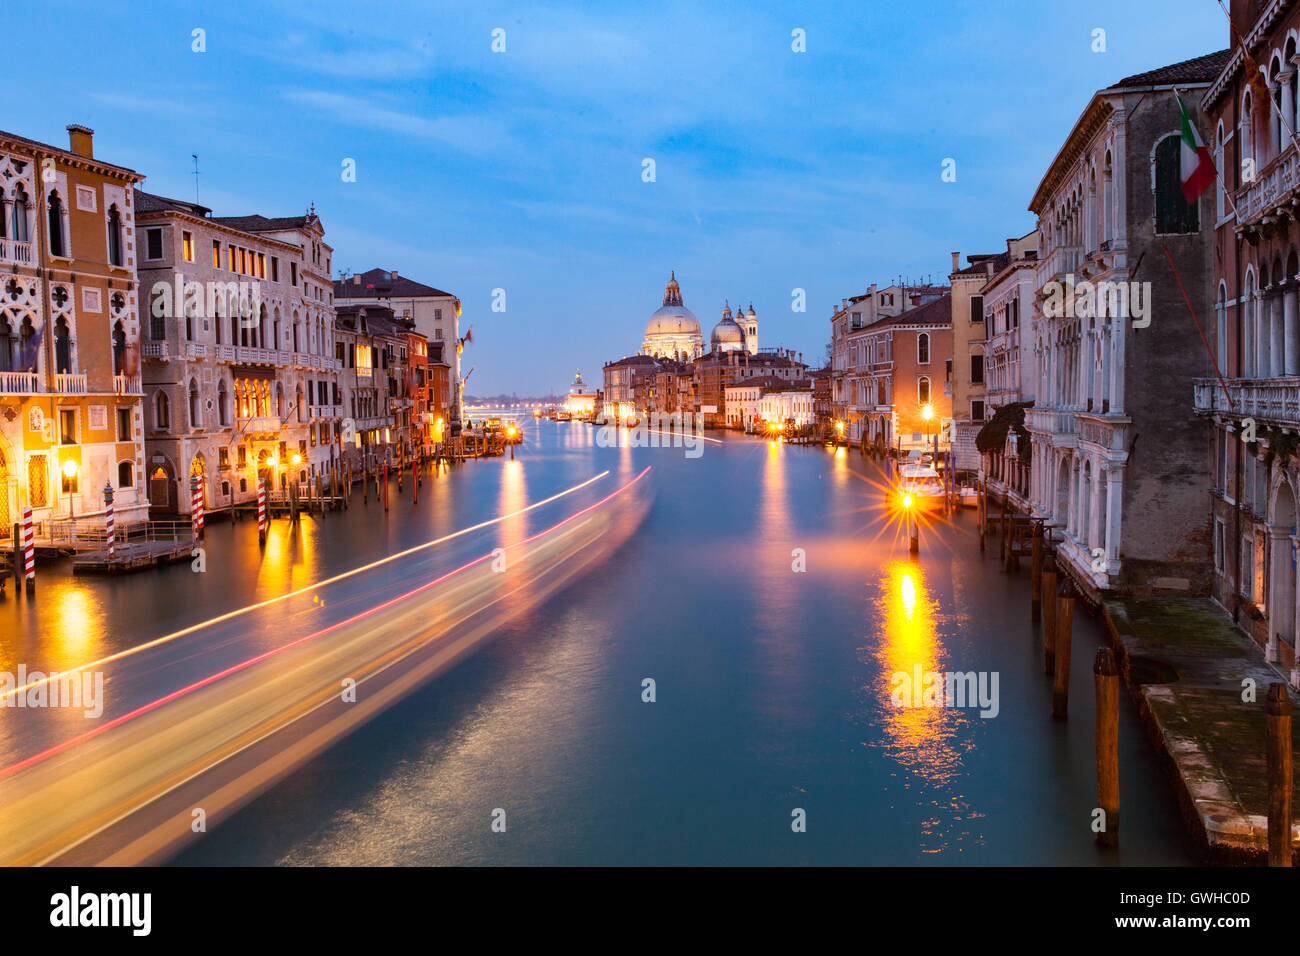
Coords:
pixel 196 505
pixel 261 512
pixel 108 520
pixel 29 551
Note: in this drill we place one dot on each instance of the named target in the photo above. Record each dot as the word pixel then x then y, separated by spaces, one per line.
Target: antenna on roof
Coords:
pixel 195 157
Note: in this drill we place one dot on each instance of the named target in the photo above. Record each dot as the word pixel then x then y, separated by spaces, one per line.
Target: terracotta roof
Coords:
pixel 148 202
pixel 262 223
pixel 1202 69
pixel 938 312
pixel 69 154
pixel 380 284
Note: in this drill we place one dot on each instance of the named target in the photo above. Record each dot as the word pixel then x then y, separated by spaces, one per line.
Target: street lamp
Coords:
pixel 70 473
pixel 913 544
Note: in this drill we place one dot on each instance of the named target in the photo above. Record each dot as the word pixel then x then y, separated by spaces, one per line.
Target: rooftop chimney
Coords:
pixel 956 262
pixel 393 275
pixel 988 266
pixel 81 140
pixel 356 279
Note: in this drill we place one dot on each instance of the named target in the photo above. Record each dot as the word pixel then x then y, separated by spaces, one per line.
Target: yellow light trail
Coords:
pixel 303 590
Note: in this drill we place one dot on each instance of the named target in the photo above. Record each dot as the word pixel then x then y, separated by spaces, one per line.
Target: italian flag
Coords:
pixel 1196 164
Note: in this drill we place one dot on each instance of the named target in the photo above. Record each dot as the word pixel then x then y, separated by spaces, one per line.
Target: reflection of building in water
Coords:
pixel 580 403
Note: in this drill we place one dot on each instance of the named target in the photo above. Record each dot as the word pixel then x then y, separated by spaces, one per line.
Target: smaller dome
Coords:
pixel 727 335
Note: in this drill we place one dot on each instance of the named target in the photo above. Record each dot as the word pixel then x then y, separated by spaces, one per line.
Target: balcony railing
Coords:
pixel 20 383
pixel 1061 261
pixel 1271 185
pixel 1272 399
pixel 154 350
pixel 196 350
pixel 70 383
pixel 259 424
pixel 1053 421
pixel 11 250
pixel 126 385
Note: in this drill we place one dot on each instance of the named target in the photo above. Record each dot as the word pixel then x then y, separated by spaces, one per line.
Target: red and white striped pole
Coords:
pixel 29 551
pixel 196 505
pixel 261 511
pixel 108 520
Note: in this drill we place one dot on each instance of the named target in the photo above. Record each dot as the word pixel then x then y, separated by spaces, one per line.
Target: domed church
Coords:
pixel 673 331
pixel 735 335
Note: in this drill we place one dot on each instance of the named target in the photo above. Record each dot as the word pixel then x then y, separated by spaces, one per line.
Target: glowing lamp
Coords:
pixel 272 461
pixel 297 459
pixel 927 412
pixel 907 501
pixel 69 468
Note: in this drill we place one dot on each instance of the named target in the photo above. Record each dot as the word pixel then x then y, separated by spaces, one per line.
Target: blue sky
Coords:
pixel 522 170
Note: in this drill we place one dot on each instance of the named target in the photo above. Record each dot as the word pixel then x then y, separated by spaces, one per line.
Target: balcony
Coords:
pixel 66 383
pixel 19 383
pixel 1274 400
pixel 258 425
pixel 154 350
pixel 13 251
pixel 1060 262
pixel 126 385
pixel 1273 186
pixel 1060 424
pixel 195 350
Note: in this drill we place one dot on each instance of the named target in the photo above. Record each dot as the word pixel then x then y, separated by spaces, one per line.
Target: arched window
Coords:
pixel 194 404
pixel 275 336
pixel 119 349
pixel 295 332
pixel 162 417
pixel 1219 199
pixel 923 348
pixel 8 345
pixel 223 404
pixel 125 474
pixel 1221 329
pixel 114 236
pixel 279 401
pixel 1248 326
pixel 62 347
pixel 1247 147
pixel 57 245
pixel 923 390
pixel 20 231
pixel 1174 214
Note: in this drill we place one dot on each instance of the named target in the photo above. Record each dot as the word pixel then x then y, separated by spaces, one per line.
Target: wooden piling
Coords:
pixel 1277 739
pixel 1105 676
pixel 1049 619
pixel 18 558
pixel 981 511
pixel 1036 580
pixel 1064 629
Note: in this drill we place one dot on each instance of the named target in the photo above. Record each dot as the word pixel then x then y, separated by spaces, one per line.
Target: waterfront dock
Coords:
pixel 1187 667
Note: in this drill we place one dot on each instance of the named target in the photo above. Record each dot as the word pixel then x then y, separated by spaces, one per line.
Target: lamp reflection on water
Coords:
pixel 929 742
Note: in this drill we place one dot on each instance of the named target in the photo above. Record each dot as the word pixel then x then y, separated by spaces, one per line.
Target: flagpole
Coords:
pixel 1288 125
pixel 1227 194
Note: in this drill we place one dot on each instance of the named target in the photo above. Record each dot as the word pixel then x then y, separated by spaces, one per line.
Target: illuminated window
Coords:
pixel 216 254
pixel 187 246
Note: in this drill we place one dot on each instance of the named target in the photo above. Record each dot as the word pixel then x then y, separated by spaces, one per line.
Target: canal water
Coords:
pixel 770 597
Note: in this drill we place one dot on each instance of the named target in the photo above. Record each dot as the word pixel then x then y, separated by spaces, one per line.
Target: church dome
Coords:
pixel 673 318
pixel 727 335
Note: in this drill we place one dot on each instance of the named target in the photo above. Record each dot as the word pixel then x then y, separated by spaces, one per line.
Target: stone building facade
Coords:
pixel 1117 451
pixel 70 416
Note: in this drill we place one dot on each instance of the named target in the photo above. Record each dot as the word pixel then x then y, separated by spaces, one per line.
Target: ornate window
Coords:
pixel 1174 214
